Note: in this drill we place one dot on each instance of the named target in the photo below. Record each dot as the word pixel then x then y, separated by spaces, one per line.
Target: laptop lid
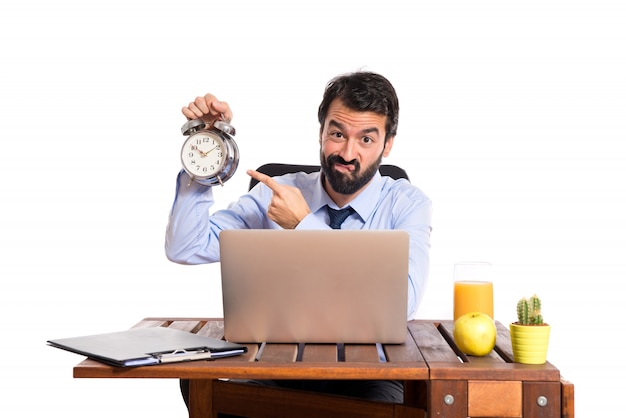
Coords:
pixel 315 286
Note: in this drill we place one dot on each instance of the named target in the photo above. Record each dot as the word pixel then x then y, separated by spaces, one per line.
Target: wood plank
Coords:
pixel 299 370
pixel 430 342
pixel 487 398
pixel 200 398
pixel 231 368
pixel 362 353
pixel 542 399
pixel 567 399
pixel 493 371
pixel 151 323
pixel 192 326
pixel 503 342
pixel 404 411
pixel 184 318
pixel 406 352
pixel 213 329
pixel 323 353
pixel 279 353
pixel 269 402
pixel 447 398
pixel 415 393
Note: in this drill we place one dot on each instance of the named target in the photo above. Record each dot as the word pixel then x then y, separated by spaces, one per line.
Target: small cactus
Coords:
pixel 529 311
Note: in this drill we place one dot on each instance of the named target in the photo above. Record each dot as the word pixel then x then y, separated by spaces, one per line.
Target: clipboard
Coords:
pixel 148 346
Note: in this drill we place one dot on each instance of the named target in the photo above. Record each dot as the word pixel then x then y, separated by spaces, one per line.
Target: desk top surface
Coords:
pixel 428 353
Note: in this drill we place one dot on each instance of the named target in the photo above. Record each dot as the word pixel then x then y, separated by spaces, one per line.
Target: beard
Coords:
pixel 347 183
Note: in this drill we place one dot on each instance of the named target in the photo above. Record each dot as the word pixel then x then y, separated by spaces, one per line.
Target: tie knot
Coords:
pixel 337 216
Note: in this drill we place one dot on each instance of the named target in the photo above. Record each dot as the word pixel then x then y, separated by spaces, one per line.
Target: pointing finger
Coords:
pixel 265 179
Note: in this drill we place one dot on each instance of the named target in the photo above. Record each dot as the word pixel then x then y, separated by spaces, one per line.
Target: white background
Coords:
pixel 513 120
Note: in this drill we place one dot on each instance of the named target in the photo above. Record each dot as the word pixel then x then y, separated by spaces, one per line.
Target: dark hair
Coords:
pixel 364 92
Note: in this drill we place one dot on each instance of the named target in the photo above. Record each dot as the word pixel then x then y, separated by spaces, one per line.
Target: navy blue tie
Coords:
pixel 337 216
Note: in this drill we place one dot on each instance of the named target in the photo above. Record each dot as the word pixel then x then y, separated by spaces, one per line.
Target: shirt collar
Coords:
pixel 364 204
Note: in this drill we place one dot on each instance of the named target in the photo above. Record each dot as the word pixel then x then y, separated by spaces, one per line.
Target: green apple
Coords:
pixel 475 333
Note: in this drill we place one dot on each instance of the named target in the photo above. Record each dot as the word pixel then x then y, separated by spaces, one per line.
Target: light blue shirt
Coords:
pixel 192 232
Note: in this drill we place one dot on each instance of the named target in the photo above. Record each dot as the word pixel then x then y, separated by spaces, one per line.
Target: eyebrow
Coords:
pixel 341 126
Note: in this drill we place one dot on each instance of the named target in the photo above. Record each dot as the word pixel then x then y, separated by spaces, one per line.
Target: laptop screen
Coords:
pixel 324 286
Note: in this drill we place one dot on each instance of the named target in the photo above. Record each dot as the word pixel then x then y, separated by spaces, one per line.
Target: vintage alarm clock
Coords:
pixel 209 155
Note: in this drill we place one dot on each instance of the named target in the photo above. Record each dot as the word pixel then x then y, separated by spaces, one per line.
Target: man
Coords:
pixel 358 123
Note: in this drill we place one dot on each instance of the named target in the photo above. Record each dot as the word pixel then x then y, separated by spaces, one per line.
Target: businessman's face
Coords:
pixel 352 146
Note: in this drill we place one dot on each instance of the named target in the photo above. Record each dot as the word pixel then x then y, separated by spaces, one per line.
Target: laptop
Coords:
pixel 314 286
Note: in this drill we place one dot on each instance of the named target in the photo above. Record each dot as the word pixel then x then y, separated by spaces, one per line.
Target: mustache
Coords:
pixel 337 159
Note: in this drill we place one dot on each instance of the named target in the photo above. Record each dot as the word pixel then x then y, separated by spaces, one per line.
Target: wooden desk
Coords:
pixel 437 378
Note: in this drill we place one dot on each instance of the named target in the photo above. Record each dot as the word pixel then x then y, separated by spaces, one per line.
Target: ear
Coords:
pixel 388 146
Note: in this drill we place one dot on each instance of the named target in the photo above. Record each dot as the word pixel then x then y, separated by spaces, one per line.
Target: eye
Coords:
pixel 367 140
pixel 335 136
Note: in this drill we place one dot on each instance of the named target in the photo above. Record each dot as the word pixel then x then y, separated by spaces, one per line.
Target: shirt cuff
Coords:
pixel 312 222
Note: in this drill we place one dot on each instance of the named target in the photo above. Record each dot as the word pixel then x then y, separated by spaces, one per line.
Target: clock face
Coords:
pixel 203 155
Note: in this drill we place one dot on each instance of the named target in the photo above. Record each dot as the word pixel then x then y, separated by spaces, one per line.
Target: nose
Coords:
pixel 348 150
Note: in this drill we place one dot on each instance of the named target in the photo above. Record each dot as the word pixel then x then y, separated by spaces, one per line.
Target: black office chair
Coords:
pixel 277 169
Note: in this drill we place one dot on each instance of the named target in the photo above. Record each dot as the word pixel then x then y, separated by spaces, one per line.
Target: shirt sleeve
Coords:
pixel 419 255
pixel 311 221
pixel 189 224
pixel 192 234
pixel 413 213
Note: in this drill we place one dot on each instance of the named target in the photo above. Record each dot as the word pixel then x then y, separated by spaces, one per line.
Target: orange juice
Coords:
pixel 473 296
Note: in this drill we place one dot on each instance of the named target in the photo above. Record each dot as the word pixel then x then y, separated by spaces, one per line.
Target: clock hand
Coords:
pixel 205 153
pixel 211 150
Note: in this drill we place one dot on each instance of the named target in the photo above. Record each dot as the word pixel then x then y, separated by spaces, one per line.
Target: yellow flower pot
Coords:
pixel 530 343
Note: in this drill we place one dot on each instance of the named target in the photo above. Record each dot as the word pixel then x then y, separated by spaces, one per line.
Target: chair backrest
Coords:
pixel 277 169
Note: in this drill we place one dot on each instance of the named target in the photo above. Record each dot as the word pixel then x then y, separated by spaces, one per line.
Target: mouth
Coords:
pixel 344 168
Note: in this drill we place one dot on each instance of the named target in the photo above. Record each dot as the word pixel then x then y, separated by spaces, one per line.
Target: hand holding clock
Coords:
pixel 287 207
pixel 209 109
pixel 208 127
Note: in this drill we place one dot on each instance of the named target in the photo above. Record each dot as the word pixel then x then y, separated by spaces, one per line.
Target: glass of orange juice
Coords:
pixel 473 288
